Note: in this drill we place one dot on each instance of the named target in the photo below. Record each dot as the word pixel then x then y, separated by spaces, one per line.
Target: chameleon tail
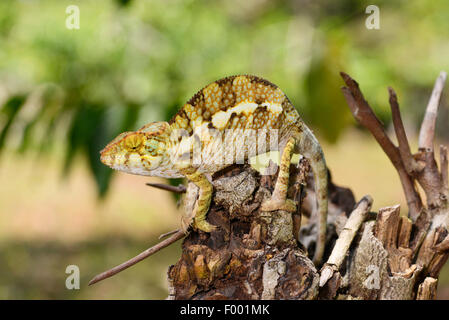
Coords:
pixel 310 148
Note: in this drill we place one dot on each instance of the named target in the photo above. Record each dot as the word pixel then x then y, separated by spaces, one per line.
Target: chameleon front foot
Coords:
pixel 275 204
pixel 203 225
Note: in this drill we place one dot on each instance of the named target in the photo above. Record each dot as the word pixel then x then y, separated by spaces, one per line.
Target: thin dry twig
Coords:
pixel 176 189
pixel 344 241
pixel 168 234
pixel 444 170
pixel 145 254
pixel 427 132
pixel 363 113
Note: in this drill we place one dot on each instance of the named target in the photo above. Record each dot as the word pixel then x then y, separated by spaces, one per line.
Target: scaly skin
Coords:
pixel 193 143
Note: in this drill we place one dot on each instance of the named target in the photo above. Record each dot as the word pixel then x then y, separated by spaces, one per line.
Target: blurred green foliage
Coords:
pixel 132 62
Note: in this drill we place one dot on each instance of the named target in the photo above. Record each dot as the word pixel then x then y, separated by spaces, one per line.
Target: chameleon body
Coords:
pixel 192 144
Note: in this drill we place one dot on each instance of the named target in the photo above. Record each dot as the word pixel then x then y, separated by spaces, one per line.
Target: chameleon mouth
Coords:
pixel 105 158
pixel 107 155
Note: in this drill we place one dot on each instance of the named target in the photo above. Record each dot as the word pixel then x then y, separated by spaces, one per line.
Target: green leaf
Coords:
pixel 9 111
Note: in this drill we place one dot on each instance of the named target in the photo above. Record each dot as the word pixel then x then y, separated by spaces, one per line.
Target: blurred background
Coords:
pixel 64 93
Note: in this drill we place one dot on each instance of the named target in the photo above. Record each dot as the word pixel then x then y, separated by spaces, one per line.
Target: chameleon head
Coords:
pixel 137 152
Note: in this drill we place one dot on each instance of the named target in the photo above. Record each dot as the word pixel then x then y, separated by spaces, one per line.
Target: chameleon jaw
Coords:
pixel 106 159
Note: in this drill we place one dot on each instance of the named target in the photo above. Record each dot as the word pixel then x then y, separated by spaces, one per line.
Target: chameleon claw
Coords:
pixel 274 204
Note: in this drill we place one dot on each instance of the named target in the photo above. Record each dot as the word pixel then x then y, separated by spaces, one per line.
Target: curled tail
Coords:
pixel 310 148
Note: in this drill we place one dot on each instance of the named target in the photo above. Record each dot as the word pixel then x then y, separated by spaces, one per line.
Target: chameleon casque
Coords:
pixel 234 105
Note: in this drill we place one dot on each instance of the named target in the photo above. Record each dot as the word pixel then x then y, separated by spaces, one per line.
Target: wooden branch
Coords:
pixel 344 241
pixel 430 179
pixel 427 132
pixel 363 113
pixel 145 254
pixel 427 289
pixel 410 164
pixel 167 187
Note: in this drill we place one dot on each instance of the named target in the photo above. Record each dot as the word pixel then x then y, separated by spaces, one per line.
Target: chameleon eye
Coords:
pixel 133 142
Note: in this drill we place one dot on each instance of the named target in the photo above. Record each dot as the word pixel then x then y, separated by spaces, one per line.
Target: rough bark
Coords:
pixel 266 255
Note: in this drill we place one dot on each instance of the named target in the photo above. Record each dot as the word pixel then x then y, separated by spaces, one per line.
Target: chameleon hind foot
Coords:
pixel 275 204
pixel 279 199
